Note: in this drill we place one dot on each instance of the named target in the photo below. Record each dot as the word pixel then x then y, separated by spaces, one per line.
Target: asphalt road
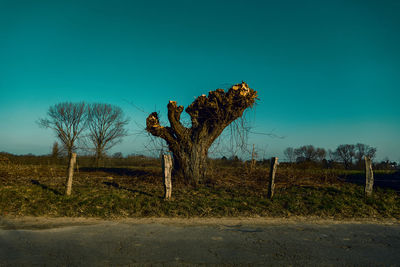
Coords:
pixel 165 242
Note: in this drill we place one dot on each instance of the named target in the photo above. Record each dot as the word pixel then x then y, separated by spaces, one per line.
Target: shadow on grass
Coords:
pixel 119 171
pixel 327 189
pixel 115 185
pixel 45 187
pixel 384 180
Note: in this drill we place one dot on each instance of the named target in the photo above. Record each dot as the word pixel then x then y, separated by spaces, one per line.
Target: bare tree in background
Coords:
pixel 320 154
pixel 68 120
pixel 362 150
pixel 210 115
pixel 309 153
pixel 289 154
pixel 55 151
pixel 331 155
pixel 106 125
pixel 345 154
pixel 305 153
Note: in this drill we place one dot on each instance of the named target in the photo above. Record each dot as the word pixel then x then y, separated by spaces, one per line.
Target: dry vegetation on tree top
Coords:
pixel 231 189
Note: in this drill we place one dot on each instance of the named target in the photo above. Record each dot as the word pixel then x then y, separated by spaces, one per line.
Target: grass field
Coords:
pixel 230 190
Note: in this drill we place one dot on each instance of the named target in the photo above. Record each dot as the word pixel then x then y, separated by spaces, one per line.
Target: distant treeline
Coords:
pixel 116 160
pixel 347 156
pixel 343 157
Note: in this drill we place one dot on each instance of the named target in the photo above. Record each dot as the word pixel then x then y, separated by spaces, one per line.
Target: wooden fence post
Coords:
pixel 72 161
pixel 271 185
pixel 369 177
pixel 166 162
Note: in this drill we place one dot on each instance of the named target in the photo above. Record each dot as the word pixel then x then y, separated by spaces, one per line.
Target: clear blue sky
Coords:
pixel 327 72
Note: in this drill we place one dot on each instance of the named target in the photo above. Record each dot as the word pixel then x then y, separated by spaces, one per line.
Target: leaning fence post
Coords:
pixel 271 185
pixel 369 177
pixel 166 162
pixel 72 161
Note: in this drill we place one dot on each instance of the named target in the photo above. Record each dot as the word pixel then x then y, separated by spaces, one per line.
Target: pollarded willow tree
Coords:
pixel 210 115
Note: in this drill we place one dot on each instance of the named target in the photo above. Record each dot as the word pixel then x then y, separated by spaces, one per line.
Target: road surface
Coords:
pixel 172 242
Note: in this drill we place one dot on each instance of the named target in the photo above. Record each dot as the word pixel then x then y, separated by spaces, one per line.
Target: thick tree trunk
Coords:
pixel 190 162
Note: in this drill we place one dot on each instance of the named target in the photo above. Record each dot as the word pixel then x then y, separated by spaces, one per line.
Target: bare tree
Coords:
pixel 55 151
pixel 309 153
pixel 305 153
pixel 331 155
pixel 68 120
pixel 117 155
pixel 106 125
pixel 320 153
pixel 345 154
pixel 289 154
pixel 362 150
pixel 210 115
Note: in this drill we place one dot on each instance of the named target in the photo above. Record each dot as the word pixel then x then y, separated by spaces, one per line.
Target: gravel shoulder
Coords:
pixel 32 223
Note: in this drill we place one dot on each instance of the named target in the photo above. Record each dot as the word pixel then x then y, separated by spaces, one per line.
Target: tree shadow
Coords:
pixel 119 171
pixel 116 185
pixel 383 180
pixel 45 187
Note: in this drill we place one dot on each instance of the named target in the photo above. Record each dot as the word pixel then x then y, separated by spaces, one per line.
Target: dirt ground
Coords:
pixel 197 241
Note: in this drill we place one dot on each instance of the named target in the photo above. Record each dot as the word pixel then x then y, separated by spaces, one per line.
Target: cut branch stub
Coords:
pixel 174 117
pixel 154 127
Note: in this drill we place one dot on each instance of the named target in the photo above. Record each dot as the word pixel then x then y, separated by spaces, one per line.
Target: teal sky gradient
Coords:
pixel 327 72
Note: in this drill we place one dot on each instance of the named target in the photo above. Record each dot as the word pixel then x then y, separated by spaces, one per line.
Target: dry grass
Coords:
pixel 137 191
